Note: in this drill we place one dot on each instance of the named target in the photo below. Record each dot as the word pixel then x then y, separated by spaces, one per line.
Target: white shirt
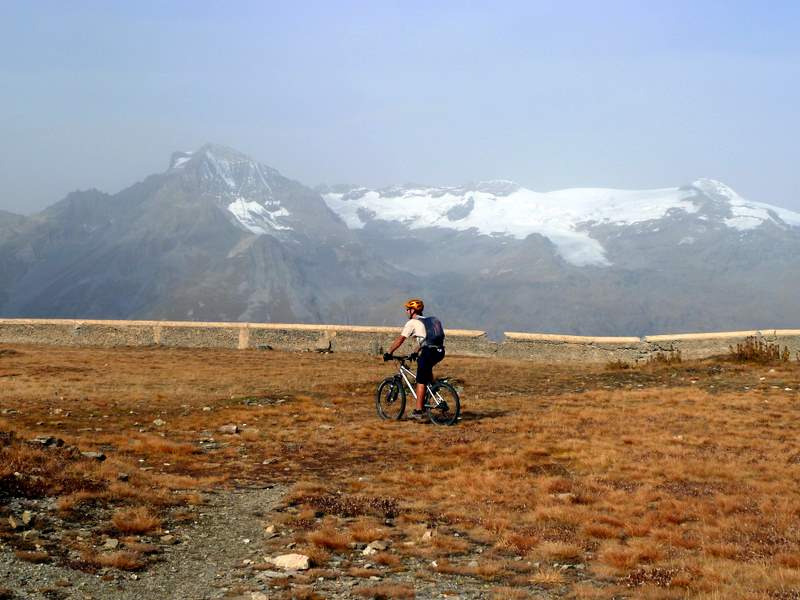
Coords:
pixel 414 328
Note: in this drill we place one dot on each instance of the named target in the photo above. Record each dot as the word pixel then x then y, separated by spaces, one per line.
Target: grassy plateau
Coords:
pixel 669 480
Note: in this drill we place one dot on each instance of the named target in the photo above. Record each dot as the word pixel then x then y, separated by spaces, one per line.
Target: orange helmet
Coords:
pixel 415 303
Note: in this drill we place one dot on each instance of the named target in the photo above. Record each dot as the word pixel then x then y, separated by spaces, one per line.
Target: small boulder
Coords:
pixel 269 574
pixel 98 456
pixel 229 429
pixel 292 562
pixel 567 497
pixel 47 441
pixel 375 547
pixel 111 544
pixel 159 422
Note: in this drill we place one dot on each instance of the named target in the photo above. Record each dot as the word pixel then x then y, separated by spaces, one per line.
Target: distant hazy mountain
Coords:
pixel 220 236
pixel 216 236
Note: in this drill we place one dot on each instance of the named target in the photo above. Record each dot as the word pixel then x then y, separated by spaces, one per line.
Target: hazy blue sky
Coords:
pixel 549 94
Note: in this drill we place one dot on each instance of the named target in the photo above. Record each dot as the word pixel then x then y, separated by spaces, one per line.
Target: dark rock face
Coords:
pixel 218 236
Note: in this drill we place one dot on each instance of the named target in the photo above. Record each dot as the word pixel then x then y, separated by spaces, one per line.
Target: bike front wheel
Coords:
pixel 443 404
pixel 390 399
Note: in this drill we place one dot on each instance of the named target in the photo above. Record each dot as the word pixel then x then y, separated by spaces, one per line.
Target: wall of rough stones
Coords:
pixel 545 348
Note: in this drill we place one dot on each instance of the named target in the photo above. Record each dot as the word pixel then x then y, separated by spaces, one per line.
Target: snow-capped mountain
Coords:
pixel 220 236
pixel 565 217
pixel 256 197
pixel 217 236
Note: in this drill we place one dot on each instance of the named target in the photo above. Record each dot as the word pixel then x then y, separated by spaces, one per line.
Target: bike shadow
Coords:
pixel 470 415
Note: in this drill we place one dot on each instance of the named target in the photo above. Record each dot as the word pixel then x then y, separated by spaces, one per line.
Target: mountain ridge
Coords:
pixel 220 236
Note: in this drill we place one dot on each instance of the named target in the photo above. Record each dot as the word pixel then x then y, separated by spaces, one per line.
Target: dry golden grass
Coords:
pixel 329 539
pixel 674 479
pixel 123 560
pixel 548 577
pixel 135 520
pixel 32 556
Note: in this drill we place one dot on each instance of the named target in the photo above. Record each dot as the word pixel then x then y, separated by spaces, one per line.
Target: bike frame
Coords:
pixel 407 374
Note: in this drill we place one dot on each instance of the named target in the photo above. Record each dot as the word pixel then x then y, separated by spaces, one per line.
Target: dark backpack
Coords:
pixel 434 332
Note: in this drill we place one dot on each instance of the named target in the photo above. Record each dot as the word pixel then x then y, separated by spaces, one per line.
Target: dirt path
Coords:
pixel 206 563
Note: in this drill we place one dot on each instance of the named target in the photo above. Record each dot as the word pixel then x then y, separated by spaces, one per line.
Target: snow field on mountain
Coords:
pixel 746 214
pixel 565 217
pixel 556 215
pixel 256 218
pixel 500 208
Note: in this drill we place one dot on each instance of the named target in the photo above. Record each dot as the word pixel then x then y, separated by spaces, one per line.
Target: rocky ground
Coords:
pixel 228 551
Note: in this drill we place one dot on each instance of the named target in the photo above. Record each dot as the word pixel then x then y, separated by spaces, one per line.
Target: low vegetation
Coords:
pixel 758 350
pixel 668 480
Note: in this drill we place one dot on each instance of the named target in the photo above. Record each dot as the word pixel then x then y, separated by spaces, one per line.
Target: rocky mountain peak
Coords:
pixel 225 169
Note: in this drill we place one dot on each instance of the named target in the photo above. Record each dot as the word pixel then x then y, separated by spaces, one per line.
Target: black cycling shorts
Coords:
pixel 428 357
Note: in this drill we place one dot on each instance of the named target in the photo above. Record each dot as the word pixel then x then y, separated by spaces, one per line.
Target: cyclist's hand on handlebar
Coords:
pixel 387 357
pixel 413 356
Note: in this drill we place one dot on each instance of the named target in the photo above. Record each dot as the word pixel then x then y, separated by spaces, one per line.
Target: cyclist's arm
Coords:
pixel 397 343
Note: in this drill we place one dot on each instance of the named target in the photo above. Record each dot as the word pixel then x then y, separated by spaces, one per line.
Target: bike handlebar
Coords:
pixel 400 357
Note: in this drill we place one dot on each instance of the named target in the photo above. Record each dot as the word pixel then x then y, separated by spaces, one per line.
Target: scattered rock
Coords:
pixel 111 544
pixel 123 477
pixel 47 441
pixel 375 547
pixel 292 562
pixel 427 535
pixel 229 429
pixel 159 422
pixel 270 531
pixel 268 574
pixel 27 518
pixel 258 596
pixel 98 456
pixel 168 539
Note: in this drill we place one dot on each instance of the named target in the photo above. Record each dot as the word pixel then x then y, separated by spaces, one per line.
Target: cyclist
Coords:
pixel 427 355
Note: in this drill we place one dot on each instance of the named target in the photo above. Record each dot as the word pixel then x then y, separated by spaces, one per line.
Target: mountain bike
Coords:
pixel 442 404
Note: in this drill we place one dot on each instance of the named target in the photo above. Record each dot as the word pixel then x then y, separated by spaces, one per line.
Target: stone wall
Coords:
pixel 545 348
pixel 571 348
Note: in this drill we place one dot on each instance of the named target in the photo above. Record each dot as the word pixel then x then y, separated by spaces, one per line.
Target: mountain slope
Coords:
pixel 217 236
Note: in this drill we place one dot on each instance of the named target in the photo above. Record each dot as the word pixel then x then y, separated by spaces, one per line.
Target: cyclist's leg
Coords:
pixel 420 397
pixel 428 357
pixel 424 375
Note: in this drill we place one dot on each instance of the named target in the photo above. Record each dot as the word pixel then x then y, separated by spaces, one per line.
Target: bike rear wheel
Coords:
pixel 444 406
pixel 390 399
